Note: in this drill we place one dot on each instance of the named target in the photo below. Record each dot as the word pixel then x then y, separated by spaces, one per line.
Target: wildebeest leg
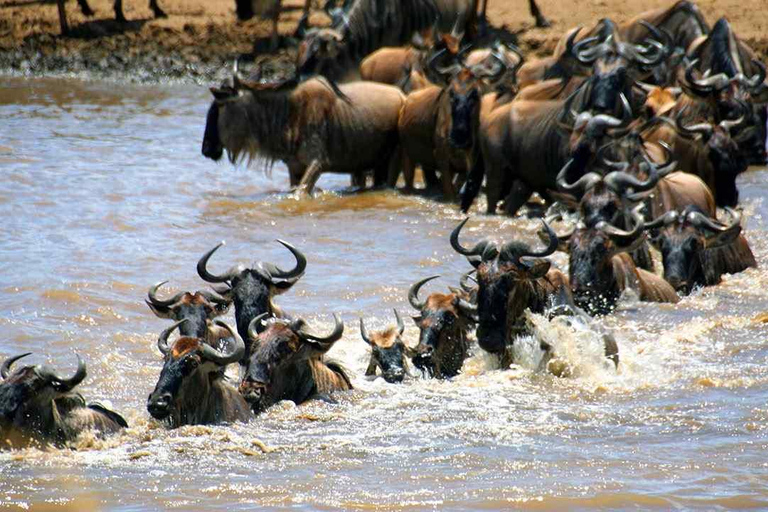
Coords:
pixel 295 173
pixel 119 11
pixel 371 370
pixel 482 21
pixel 446 177
pixel 541 21
pixel 311 175
pixel 84 7
pixel 62 17
pixel 517 197
pixel 408 172
pixel 430 178
pixel 159 13
pixel 275 19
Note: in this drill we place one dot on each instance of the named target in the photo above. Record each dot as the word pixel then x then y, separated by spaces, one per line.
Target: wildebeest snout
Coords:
pixel 159 405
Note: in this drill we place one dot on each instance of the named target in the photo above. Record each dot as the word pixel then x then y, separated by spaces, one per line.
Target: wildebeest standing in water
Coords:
pixel 38 405
pixel 87 11
pixel 253 289
pixel 388 351
pixel 444 321
pixel 311 126
pixel 697 250
pixel 288 364
pixel 192 388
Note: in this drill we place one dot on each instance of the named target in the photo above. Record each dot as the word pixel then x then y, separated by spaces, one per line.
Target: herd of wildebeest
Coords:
pixel 633 133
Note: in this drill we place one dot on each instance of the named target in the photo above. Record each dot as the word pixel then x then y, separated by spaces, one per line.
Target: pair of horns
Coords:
pixel 61 384
pixel 364 331
pixel 298 326
pixel 206 351
pixel 487 250
pixel 267 270
pixel 697 220
pixel 155 301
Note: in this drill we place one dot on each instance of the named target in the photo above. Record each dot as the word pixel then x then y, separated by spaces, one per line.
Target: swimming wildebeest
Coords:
pixel 192 388
pixel 311 126
pixel 252 289
pixel 511 279
pixel 87 11
pixel 388 351
pixel 444 321
pixel 601 269
pixel 198 308
pixel 288 364
pixel 38 405
pixel 697 249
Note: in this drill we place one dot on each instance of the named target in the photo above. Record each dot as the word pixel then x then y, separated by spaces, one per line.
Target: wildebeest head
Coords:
pixel 590 266
pixel 197 308
pixel 319 50
pixel 189 366
pixel 505 289
pixel 723 152
pixel 252 289
pixel 443 322
pixel 283 344
pixel 388 351
pixel 682 239
pixel 27 394
pixel 616 64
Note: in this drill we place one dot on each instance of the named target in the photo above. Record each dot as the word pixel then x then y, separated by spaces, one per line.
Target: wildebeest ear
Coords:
pixel 282 286
pixel 223 93
pixel 161 311
pixel 722 238
pixel 417 319
pixel 538 268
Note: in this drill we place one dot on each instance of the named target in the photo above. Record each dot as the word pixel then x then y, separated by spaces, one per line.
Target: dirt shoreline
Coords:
pixel 199 39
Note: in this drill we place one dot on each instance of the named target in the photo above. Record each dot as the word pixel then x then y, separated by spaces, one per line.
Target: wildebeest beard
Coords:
pixel 463 106
pixel 212 147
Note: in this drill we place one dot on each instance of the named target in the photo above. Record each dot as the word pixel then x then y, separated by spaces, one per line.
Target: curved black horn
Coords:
pixel 215 298
pixel 61 384
pixel 277 273
pixel 252 330
pixel 364 332
pixel 338 331
pixel 5 370
pixel 702 221
pixel 668 218
pixel 224 358
pixel 582 184
pixel 464 281
pixel 704 86
pixel 202 271
pixel 413 293
pixel 162 340
pixel 467 308
pixel 400 324
pixel 477 250
pixel 152 295
pixel 729 125
pixel 614 232
pixel 550 249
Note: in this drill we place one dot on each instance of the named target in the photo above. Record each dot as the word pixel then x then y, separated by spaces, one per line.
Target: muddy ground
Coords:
pixel 199 38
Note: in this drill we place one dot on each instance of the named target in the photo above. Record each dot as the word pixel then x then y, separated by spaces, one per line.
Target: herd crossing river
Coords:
pixel 104 192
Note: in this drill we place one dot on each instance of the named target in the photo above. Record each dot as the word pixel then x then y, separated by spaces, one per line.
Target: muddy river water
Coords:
pixel 104 192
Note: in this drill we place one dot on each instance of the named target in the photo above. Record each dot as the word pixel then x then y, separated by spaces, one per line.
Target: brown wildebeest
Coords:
pixel 697 249
pixel 600 268
pixel 511 279
pixel 438 126
pixel 253 289
pixel 288 364
pixel 388 351
pixel 39 406
pixel 311 126
pixel 192 388
pixel 198 308
pixel 444 322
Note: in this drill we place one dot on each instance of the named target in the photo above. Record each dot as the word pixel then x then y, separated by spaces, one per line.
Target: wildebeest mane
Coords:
pixel 729 259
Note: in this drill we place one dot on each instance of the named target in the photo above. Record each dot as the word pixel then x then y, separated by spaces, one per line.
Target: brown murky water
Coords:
pixel 104 192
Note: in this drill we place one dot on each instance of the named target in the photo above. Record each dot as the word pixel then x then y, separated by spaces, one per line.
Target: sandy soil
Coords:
pixel 200 38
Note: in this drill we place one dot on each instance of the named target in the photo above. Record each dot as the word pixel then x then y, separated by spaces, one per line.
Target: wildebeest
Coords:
pixel 438 126
pixel 253 289
pixel 198 308
pixel 311 126
pixel 697 249
pixel 600 268
pixel 388 351
pixel 192 388
pixel 512 278
pixel 39 406
pixel 87 11
pixel 288 364
pixel 444 321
